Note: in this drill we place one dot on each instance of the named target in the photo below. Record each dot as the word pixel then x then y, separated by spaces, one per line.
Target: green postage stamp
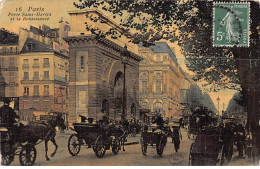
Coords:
pixel 231 24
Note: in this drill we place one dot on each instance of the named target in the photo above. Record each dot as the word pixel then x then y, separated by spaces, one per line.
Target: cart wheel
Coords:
pixel 7 156
pixel 143 145
pixel 74 145
pixel 160 146
pixel 27 155
pixel 100 148
pixel 144 149
pixel 115 145
pixel 190 159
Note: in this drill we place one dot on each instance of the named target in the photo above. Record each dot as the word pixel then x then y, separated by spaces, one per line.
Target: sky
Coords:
pixel 60 8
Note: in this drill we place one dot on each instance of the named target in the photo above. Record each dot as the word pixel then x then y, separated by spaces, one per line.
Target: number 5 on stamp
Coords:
pixel 231 24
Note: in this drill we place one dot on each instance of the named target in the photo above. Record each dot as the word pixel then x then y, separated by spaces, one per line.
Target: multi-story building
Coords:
pixel 160 80
pixel 44 65
pixel 96 73
pixel 8 63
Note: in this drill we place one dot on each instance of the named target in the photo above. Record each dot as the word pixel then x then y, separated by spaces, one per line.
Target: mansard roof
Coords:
pixel 8 38
pixel 161 47
pixel 37 46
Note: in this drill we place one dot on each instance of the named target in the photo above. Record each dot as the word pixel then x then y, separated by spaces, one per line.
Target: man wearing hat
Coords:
pixel 7 114
pixel 159 120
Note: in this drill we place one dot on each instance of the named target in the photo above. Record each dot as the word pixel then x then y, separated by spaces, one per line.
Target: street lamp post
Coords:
pixel 218 99
pixel 125 55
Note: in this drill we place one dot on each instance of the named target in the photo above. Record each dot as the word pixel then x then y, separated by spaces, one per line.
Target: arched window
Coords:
pixel 157 107
pixel 82 63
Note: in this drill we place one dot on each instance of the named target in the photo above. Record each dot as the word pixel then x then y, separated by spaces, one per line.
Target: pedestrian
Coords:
pixel 240 139
pixel 176 137
pixel 228 140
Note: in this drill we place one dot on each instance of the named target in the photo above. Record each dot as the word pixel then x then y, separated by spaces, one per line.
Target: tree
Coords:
pixel 207 102
pixel 196 98
pixel 190 23
pixel 234 105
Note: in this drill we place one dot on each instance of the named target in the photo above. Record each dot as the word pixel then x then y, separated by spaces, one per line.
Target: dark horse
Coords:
pixel 44 131
pixel 120 133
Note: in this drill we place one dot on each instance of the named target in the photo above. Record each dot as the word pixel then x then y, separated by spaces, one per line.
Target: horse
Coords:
pixel 44 131
pixel 120 133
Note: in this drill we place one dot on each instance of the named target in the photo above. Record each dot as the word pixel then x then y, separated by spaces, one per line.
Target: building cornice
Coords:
pixel 71 40
pixel 101 15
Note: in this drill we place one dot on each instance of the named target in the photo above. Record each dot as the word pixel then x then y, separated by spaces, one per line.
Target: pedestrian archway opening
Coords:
pixel 118 89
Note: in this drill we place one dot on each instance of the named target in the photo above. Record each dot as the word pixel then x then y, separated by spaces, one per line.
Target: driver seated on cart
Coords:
pixel 159 122
pixel 9 118
pixel 102 120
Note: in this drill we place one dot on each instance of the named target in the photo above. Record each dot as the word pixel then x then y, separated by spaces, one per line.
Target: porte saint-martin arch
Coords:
pixel 96 79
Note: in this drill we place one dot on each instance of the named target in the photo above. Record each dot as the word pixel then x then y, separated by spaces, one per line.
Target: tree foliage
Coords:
pixel 196 98
pixel 236 104
pixel 187 22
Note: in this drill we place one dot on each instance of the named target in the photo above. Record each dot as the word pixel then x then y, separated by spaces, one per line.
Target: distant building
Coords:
pixel 9 56
pixel 160 80
pixel 96 73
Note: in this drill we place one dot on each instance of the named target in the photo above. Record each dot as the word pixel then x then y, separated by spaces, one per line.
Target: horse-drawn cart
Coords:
pixel 207 148
pixel 96 136
pixel 153 136
pixel 13 143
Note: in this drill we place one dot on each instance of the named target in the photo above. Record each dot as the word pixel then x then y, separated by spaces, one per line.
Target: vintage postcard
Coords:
pixel 129 82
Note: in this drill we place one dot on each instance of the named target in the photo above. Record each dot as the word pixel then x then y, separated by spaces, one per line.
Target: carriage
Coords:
pixel 13 143
pixel 153 136
pixel 96 136
pixel 207 148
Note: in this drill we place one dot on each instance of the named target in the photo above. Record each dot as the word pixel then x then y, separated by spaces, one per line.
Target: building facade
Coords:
pixel 43 75
pixel 9 56
pixel 160 80
pixel 96 75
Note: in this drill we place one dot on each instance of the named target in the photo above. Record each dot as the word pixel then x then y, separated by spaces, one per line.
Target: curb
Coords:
pixel 132 143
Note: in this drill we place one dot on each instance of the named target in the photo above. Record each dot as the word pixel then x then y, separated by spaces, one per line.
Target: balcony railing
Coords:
pixel 36 66
pixel 36 94
pixel 25 66
pixel 35 78
pixel 46 65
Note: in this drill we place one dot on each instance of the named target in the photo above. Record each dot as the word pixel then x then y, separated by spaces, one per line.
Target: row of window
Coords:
pixel 36 90
pixel 9 50
pixel 36 75
pixel 7 61
pixel 158 86
pixel 157 58
pixel 36 62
